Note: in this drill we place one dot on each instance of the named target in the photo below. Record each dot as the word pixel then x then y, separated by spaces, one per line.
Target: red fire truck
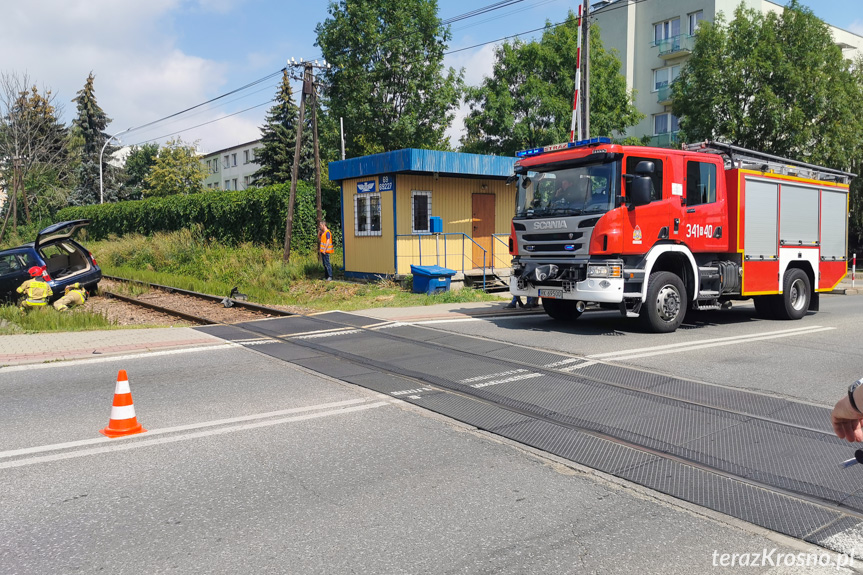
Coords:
pixel 656 232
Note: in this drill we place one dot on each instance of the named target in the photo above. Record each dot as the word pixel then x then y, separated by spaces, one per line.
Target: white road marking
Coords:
pixel 492 375
pixel 561 363
pixel 327 334
pixel 579 366
pixel 507 380
pixel 703 344
pixel 411 391
pixel 185 437
pixel 108 358
pixel 314 332
pixel 100 439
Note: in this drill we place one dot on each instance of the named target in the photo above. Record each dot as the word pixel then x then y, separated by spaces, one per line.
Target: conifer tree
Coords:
pixel 90 126
pixel 279 138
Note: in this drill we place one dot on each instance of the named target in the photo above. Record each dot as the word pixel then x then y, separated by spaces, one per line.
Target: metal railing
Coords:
pixel 664 140
pixel 674 44
pixel 664 94
pixel 453 251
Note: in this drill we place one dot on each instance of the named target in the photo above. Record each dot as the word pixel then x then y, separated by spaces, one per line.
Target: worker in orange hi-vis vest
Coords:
pixel 74 295
pixel 37 288
pixel 326 248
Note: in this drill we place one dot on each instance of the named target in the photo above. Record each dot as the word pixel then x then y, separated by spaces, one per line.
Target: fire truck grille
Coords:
pixel 553 237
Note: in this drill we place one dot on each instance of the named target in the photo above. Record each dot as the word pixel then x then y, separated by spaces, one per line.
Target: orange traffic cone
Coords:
pixel 123 420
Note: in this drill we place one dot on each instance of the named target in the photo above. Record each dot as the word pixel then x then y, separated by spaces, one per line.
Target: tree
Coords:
pixel 139 162
pixel 33 156
pixel 527 102
pixel 177 171
pixel 90 127
pixel 772 82
pixel 388 81
pixel 279 138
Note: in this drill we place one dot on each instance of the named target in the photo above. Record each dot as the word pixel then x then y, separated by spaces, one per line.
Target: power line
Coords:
pixel 204 123
pixel 250 84
pixel 479 11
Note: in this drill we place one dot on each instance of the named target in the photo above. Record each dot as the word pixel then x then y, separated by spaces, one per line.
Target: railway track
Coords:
pixel 195 307
pixel 767 460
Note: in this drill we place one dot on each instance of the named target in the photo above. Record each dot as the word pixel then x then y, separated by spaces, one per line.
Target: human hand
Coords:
pixel 847 422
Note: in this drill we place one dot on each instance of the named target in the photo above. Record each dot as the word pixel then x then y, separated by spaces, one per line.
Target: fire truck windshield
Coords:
pixel 585 189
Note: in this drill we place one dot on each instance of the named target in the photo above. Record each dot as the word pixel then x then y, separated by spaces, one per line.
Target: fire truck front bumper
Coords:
pixel 591 289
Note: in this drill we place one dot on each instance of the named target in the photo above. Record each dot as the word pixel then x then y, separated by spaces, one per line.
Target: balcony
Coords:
pixel 663 140
pixel 675 46
pixel 663 96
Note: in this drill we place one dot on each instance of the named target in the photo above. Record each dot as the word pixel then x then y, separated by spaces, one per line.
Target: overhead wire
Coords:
pixel 479 11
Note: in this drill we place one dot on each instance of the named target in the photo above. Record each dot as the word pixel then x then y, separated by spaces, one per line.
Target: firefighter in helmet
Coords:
pixel 73 295
pixel 37 288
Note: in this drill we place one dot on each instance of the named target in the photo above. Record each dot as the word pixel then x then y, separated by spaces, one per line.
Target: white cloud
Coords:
pixel 141 74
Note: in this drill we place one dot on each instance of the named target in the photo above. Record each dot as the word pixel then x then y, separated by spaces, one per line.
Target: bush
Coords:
pixel 256 215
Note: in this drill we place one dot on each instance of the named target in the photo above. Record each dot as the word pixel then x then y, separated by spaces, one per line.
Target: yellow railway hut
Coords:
pixel 390 202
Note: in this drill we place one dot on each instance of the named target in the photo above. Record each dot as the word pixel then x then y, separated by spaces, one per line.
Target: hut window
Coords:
pixel 367 214
pixel 420 212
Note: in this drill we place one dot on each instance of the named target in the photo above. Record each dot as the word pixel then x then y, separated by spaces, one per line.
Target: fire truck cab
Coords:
pixel 656 232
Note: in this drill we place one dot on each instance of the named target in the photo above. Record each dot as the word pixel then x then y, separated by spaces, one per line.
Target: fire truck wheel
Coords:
pixel 665 307
pixel 796 293
pixel 561 310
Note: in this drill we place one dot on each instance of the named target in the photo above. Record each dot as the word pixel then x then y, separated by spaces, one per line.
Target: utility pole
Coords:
pixel 320 212
pixel 309 91
pixel 585 26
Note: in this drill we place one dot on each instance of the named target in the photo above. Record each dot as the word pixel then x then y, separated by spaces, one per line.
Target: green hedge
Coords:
pixel 255 215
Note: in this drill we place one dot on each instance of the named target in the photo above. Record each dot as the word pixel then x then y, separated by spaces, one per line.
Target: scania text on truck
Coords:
pixel 656 232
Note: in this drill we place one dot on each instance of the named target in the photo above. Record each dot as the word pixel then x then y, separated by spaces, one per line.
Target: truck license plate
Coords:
pixel 551 293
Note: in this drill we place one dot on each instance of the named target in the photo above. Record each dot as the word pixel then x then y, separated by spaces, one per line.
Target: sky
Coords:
pixel 155 58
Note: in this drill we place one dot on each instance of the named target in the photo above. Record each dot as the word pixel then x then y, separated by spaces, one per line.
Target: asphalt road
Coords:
pixel 253 465
pixel 813 359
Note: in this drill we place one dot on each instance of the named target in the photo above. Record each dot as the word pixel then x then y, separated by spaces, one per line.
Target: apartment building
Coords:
pixel 654 38
pixel 231 168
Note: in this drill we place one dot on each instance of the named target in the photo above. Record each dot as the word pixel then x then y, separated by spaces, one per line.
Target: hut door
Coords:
pixel 483 227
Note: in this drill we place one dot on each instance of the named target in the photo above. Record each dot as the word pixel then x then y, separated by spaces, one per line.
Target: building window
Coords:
pixel 233 159
pixel 235 184
pixel 664 124
pixel 665 76
pixel 694 19
pixel 666 30
pixel 247 181
pixel 367 214
pixel 215 166
pixel 225 162
pixel 254 154
pixel 421 210
pixel 245 156
pixel 700 183
pixel 227 184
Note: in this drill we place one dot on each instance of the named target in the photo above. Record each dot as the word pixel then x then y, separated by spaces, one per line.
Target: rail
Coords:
pixel 415 255
pixel 205 296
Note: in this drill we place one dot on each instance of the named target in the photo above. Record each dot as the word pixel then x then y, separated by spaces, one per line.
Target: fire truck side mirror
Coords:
pixel 640 186
pixel 639 190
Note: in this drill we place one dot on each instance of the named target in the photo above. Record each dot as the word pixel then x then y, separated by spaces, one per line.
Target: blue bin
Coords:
pixel 431 279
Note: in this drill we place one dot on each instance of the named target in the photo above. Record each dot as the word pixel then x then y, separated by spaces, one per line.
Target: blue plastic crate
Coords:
pixel 431 279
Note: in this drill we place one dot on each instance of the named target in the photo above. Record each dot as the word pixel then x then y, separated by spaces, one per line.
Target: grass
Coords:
pixel 188 260
pixel 46 319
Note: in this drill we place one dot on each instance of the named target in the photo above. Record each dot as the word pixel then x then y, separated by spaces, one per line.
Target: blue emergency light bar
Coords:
pixel 564 146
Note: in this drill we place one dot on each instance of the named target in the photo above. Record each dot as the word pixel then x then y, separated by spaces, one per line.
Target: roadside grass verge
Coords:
pixel 187 260
pixel 47 319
